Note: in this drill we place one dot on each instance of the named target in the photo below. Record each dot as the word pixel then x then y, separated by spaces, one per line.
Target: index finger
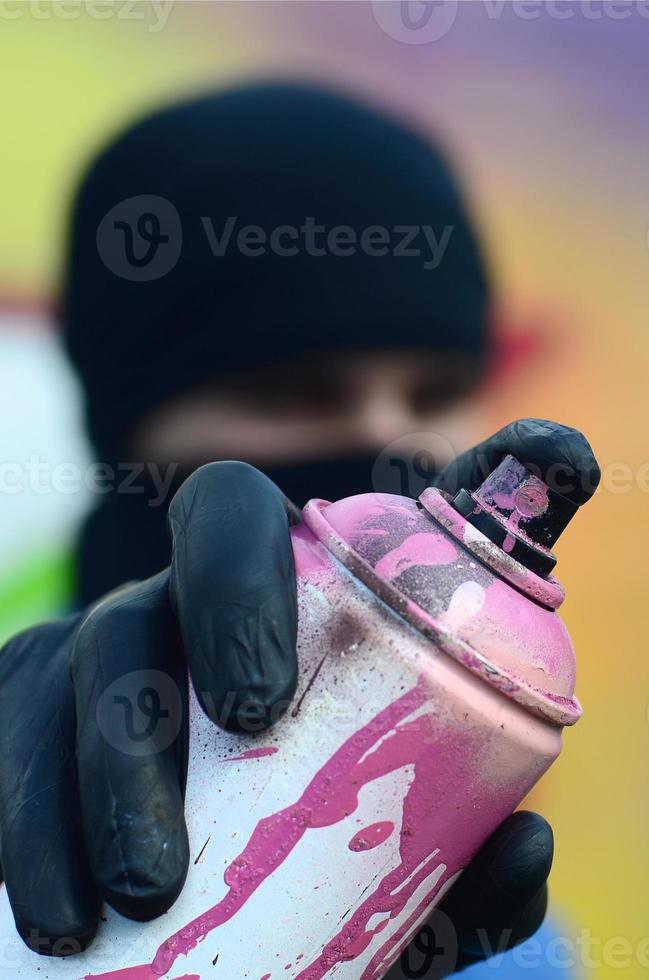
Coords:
pixel 559 454
pixel 233 588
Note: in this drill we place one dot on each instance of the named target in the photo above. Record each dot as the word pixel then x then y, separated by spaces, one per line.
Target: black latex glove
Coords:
pixel 227 608
pixel 558 454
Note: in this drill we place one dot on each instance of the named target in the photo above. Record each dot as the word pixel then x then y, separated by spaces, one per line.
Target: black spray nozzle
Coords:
pixel 524 506
pixel 519 512
pixel 558 454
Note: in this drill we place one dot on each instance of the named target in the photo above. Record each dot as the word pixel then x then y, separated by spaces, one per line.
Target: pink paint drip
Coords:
pixel 129 973
pixel 386 744
pixel 310 556
pixel 254 754
pixel 422 823
pixel 330 797
pixel 372 836
pixel 416 550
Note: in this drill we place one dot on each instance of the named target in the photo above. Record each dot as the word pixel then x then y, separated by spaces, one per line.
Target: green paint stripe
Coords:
pixel 37 589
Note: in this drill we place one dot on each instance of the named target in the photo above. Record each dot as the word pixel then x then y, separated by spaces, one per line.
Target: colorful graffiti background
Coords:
pixel 545 109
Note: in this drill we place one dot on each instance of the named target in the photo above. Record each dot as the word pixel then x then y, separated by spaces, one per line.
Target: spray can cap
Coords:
pixel 519 512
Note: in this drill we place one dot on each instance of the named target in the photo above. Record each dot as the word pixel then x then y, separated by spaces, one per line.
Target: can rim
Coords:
pixel 548 591
pixel 558 709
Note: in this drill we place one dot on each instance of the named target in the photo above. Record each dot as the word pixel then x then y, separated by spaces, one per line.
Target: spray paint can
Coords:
pixel 436 678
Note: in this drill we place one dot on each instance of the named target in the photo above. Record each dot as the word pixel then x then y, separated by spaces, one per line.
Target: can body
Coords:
pixel 320 846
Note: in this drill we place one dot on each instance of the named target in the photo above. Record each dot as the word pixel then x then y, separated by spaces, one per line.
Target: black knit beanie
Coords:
pixel 208 238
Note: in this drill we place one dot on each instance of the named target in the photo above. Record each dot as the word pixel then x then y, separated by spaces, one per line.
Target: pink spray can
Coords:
pixel 435 679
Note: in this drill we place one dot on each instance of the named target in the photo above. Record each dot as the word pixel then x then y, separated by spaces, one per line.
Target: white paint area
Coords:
pixel 466 602
pixel 41 441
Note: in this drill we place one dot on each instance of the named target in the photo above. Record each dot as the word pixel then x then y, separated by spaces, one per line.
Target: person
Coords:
pixel 325 294
pixel 303 353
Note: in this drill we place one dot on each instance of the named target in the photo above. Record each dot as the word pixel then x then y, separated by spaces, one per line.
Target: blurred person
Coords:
pixel 328 296
pixel 325 294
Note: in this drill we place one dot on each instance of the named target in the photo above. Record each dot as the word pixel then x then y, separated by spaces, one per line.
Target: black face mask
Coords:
pixel 126 537
pixel 328 479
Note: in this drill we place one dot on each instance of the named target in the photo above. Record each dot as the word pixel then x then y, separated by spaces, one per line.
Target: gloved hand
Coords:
pixel 81 821
pixel 558 454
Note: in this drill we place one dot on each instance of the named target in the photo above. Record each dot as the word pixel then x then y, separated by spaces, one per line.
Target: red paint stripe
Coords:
pixel 22 305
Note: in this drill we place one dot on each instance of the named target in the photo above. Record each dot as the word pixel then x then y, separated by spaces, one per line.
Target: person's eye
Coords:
pixel 308 396
pixel 429 398
pixel 293 395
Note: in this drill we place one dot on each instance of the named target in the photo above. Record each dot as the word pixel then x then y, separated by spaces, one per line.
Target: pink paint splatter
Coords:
pixel 440 757
pixel 141 973
pixel 254 754
pixel 331 796
pixel 509 542
pixel 372 836
pixel 418 549
pixel 129 973
pixel 445 764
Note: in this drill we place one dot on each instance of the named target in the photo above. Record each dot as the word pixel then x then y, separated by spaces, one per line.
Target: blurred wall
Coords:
pixel 545 110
